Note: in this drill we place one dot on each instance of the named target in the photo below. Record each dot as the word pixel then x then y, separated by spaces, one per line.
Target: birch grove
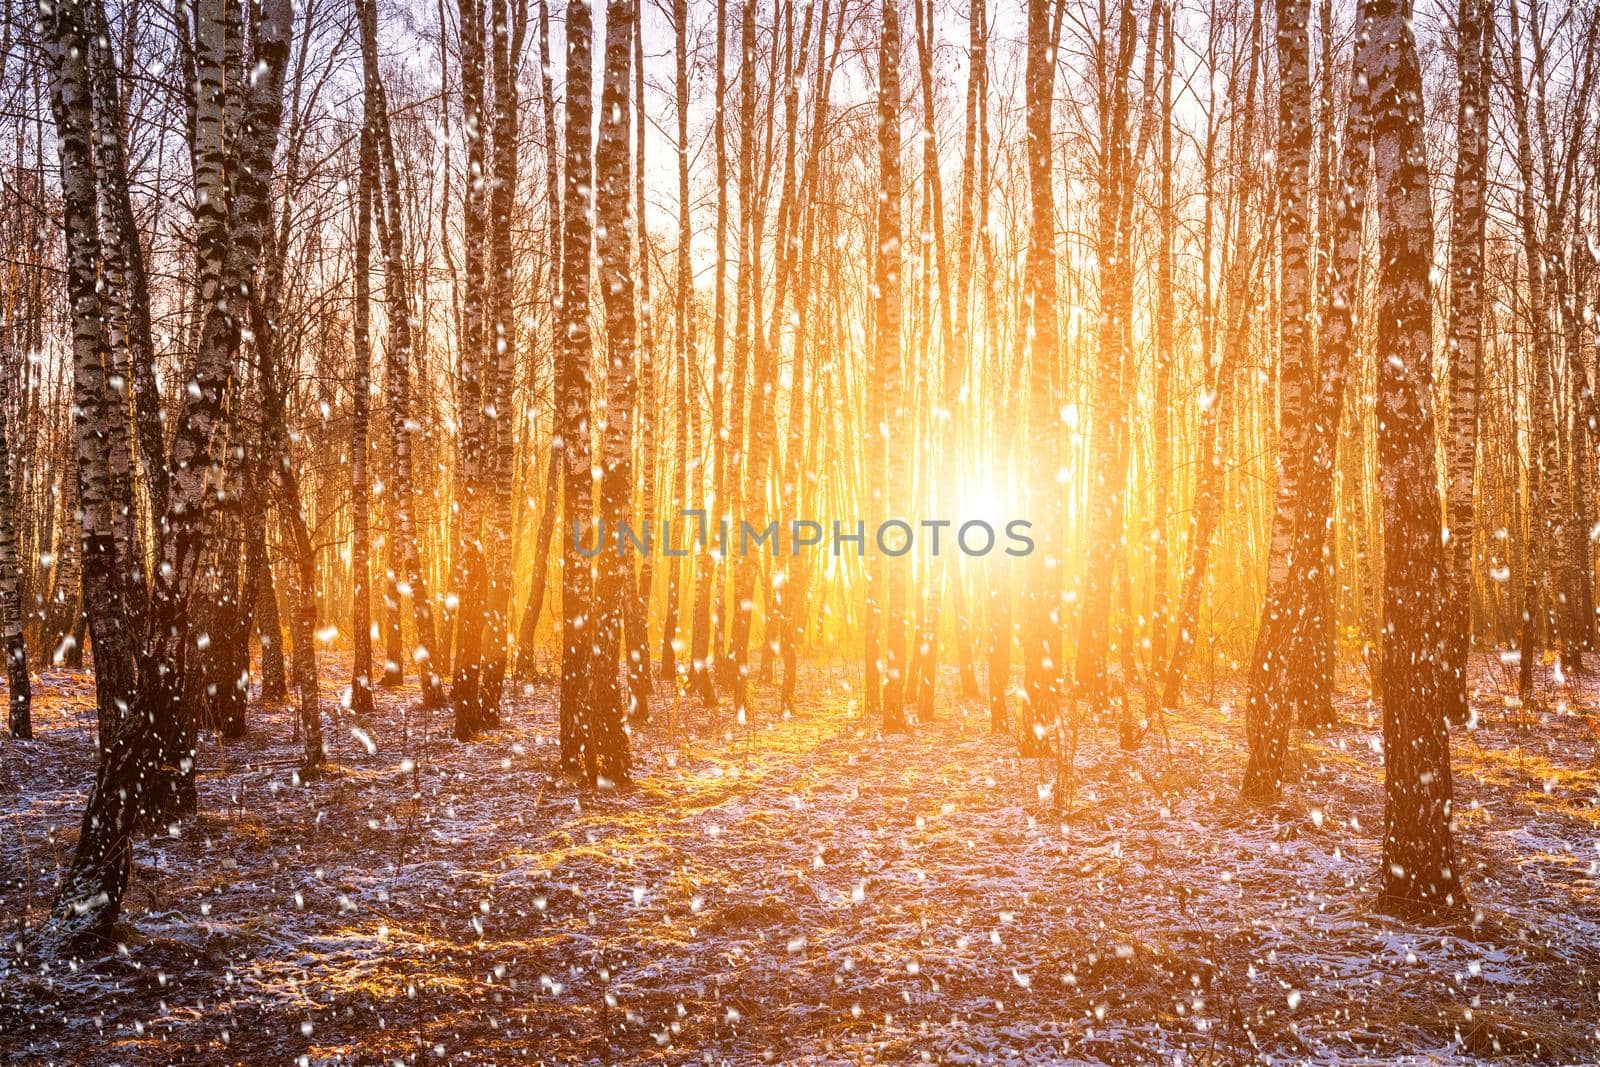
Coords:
pixel 1127 384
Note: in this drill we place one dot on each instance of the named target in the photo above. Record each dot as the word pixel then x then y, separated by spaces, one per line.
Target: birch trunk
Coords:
pixel 638 628
pixel 469 565
pixel 1107 520
pixel 529 627
pixel 360 417
pixel 942 443
pixel 61 634
pixel 730 490
pixel 615 589
pixel 66 47
pixel 1464 337
pixel 582 751
pixel 763 412
pixel 19 720
pixel 792 590
pixel 134 779
pixel 1166 313
pixel 1538 598
pixel 127 320
pixel 1041 631
pixel 886 595
pixel 682 337
pixel 1311 645
pixel 1275 688
pixel 1239 268
pixel 509 27
pixel 232 213
pixel 268 624
pixel 1419 872
pixel 704 640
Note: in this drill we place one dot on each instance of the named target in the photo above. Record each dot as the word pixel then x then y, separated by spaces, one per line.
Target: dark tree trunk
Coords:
pixel 268 623
pixel 19 720
pixel 593 744
pixel 66 50
pixel 1419 872
pixel 145 760
pixel 360 418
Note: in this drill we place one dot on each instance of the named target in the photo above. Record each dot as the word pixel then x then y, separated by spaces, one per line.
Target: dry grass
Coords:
pixel 804 890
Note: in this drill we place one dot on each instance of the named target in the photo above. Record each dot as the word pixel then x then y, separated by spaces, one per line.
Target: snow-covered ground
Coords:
pixel 806 891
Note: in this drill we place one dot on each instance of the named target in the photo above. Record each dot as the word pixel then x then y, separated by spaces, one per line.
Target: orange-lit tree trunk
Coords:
pixel 684 344
pixel 593 744
pixel 469 565
pixel 730 489
pixel 1041 627
pixel 706 642
pixel 268 622
pixel 941 572
pixel 1166 315
pixel 888 456
pixel 572 390
pixel 798 474
pixel 997 650
pixel 1314 643
pixel 968 228
pixel 528 629
pixel 1311 653
pixel 1544 520
pixel 18 720
pixel 508 27
pixel 1109 438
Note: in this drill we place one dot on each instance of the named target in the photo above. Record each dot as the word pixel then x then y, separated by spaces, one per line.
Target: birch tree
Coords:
pixel 1419 872
pixel 1041 630
pixel 528 629
pixel 360 406
pixel 149 758
pixel 886 584
pixel 685 365
pixel 1474 43
pixel 615 588
pixel 1274 687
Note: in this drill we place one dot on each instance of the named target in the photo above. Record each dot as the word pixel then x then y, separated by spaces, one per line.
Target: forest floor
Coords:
pixel 807 891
